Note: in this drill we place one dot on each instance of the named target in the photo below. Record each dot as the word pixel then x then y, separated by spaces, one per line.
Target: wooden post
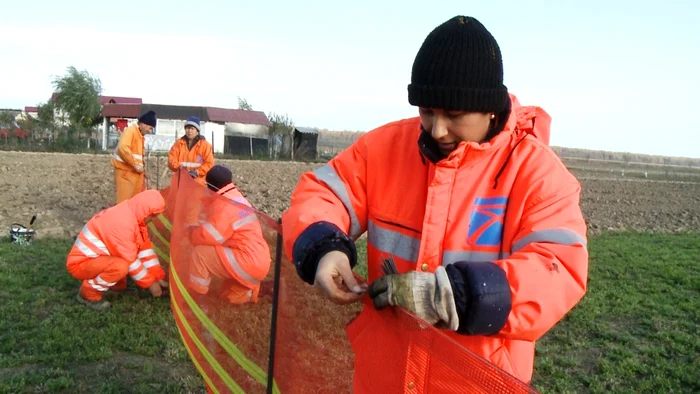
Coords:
pixel 105 132
pixel 251 147
pixel 157 172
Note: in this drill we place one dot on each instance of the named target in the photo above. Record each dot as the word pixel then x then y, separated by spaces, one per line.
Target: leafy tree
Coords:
pixel 243 104
pixel 46 119
pixel 6 119
pixel 281 124
pixel 78 96
pixel 281 129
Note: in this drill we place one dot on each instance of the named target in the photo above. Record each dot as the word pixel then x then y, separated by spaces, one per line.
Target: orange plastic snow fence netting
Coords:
pixel 234 293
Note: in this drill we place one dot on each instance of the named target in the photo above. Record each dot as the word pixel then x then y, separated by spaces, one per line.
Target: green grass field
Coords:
pixel 636 330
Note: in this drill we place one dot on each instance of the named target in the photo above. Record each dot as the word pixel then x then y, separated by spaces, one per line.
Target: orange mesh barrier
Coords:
pixel 229 342
pixel 159 227
pixel 394 348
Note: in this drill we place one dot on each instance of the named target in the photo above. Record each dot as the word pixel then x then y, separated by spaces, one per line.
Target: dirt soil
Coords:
pixel 65 190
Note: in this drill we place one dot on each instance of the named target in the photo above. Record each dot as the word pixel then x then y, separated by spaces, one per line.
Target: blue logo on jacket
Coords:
pixel 486 221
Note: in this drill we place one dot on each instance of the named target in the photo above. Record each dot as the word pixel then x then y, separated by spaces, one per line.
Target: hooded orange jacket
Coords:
pixel 120 231
pixel 237 235
pixel 200 157
pixel 503 217
pixel 130 150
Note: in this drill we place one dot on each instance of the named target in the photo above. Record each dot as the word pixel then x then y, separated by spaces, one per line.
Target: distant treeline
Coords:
pixel 335 141
pixel 626 157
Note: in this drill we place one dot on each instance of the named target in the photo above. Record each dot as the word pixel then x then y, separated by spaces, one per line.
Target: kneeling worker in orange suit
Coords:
pixel 229 245
pixel 115 243
pixel 127 159
pixel 192 152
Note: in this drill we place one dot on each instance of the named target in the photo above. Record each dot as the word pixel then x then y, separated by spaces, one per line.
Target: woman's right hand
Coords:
pixel 335 279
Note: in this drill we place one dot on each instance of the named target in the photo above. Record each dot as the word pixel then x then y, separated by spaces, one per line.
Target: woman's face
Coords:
pixel 449 128
pixel 190 132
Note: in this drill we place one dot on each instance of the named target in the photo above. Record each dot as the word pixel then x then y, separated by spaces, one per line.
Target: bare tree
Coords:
pixel 243 104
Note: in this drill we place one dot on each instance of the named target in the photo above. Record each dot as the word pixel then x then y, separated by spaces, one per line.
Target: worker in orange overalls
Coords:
pixel 127 159
pixel 480 218
pixel 229 244
pixel 113 244
pixel 192 152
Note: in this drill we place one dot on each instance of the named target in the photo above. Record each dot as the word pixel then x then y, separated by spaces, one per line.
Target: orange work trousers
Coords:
pixel 127 183
pixel 99 275
pixel 207 264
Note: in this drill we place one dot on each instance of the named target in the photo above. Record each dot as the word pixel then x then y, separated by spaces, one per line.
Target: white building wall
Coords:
pixel 214 133
pixel 248 130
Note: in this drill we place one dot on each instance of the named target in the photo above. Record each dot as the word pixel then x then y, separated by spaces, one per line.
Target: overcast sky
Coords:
pixel 614 75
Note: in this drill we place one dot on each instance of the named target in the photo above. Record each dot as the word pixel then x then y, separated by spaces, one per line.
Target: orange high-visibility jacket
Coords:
pixel 200 157
pixel 129 152
pixel 237 235
pixel 120 231
pixel 502 216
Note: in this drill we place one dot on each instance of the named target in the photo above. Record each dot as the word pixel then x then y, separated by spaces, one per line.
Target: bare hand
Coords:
pixel 155 289
pixel 335 279
pixel 139 168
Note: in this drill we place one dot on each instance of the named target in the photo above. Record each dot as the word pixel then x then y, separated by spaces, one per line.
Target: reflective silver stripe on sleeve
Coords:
pixel 327 175
pixel 151 263
pixel 94 240
pixel 146 253
pixel 558 236
pixel 84 249
pixel 142 274
pixel 214 232
pixel 454 256
pixel 393 242
pixel 248 219
pixel 135 265
pixel 190 164
pixel 237 268
pixel 137 158
pixel 553 236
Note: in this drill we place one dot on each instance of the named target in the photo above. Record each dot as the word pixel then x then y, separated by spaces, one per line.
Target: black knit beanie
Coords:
pixel 459 68
pixel 218 177
pixel 148 118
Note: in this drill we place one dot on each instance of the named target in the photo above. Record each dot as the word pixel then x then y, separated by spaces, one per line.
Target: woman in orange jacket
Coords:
pixel 229 244
pixel 113 244
pixel 477 215
pixel 192 152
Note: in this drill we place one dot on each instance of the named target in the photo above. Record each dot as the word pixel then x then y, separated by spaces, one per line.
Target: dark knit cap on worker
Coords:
pixel 148 118
pixel 218 177
pixel 194 122
pixel 459 67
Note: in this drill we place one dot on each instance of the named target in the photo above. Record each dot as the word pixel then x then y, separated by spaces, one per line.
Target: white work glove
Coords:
pixel 139 168
pixel 425 294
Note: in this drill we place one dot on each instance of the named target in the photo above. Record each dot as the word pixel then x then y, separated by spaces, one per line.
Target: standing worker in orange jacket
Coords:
pixel 115 243
pixel 127 159
pixel 229 245
pixel 192 152
pixel 479 215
